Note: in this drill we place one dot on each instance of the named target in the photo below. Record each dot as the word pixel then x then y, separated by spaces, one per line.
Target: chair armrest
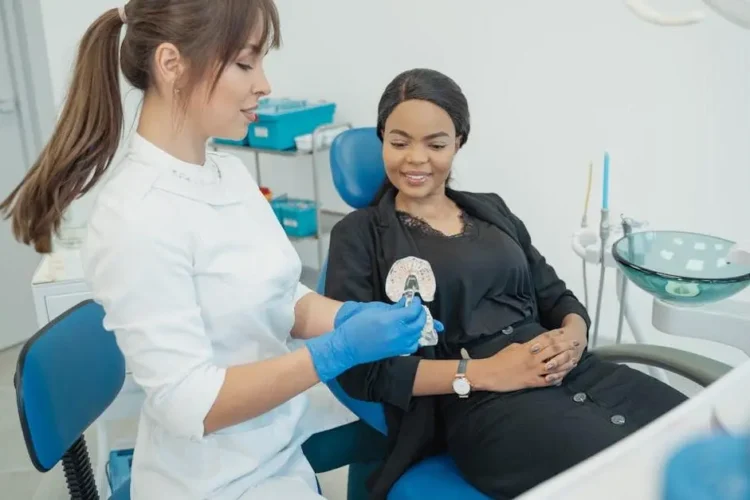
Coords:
pixel 700 369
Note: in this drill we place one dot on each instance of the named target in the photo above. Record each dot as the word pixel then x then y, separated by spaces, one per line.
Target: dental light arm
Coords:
pixel 734 11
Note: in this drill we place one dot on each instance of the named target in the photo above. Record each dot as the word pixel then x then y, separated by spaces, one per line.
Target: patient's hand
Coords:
pixel 541 362
pixel 557 366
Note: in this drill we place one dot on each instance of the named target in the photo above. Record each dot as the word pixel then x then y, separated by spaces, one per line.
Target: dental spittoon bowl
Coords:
pixel 681 268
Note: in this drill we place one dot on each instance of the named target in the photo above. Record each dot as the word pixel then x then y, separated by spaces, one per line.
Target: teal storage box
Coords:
pixel 231 142
pixel 118 468
pixel 298 217
pixel 280 121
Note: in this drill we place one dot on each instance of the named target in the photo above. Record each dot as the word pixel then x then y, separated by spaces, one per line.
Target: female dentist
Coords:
pixel 198 281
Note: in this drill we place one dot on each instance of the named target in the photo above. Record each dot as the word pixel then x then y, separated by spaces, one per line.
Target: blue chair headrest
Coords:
pixel 68 374
pixel 357 165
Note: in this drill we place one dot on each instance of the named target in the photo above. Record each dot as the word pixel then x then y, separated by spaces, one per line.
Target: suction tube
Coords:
pixel 604 235
pixel 627 229
pixel 584 224
pixel 604 230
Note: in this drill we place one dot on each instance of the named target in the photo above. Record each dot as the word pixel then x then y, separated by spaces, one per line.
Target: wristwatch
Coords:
pixel 461 384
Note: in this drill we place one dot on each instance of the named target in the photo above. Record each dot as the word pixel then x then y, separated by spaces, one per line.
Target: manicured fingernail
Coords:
pixel 535 348
pixel 551 378
pixel 551 365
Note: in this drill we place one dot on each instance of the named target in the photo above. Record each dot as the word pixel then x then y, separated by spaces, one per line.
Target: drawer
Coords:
pixel 58 304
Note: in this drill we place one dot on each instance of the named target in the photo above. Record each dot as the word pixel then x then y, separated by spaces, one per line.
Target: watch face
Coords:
pixel 461 386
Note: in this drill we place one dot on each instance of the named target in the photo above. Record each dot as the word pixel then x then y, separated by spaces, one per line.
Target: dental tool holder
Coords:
pixel 726 322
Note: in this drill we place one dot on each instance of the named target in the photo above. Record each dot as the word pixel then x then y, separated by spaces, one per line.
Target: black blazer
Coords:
pixel 363 247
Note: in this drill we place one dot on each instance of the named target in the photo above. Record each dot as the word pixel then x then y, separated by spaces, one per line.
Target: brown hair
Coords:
pixel 208 33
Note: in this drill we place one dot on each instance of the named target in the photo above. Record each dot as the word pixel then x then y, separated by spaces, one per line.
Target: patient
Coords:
pixel 539 401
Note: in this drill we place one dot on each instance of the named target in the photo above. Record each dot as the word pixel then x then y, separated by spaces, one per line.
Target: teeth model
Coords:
pixel 410 276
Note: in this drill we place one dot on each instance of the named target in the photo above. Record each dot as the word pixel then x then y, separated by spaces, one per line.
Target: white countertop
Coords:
pixel 62 265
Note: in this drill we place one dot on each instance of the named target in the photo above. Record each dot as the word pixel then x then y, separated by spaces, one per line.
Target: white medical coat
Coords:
pixel 195 275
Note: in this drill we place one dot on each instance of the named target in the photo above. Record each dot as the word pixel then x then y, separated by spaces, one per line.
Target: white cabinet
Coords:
pixel 58 285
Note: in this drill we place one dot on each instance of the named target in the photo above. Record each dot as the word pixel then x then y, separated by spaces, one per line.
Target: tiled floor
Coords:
pixel 20 481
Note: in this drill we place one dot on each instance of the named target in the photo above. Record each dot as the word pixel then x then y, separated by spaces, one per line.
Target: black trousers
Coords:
pixel 507 443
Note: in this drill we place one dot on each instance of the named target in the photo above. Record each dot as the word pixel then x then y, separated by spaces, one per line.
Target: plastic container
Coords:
pixel 118 468
pixel 231 142
pixel 280 121
pixel 297 216
pixel 304 143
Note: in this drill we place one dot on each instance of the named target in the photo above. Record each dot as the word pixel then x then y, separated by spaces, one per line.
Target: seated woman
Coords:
pixel 538 401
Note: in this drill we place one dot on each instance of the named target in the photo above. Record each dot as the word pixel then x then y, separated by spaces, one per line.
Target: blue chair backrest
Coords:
pixel 357 165
pixel 68 374
pixel 358 172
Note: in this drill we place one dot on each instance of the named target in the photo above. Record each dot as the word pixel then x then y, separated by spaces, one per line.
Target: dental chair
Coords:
pixel 358 172
pixel 71 371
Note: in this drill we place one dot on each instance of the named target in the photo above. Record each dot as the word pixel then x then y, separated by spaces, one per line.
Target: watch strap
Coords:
pixel 461 371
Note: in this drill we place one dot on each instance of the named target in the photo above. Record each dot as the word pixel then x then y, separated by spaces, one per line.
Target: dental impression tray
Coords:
pixel 408 277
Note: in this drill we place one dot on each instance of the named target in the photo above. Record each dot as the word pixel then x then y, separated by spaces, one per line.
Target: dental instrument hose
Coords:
pixel 584 225
pixel 627 229
pixel 604 235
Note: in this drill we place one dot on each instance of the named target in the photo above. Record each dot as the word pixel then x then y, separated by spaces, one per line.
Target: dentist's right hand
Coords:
pixel 370 335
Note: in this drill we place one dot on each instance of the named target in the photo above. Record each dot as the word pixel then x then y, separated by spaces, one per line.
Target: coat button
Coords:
pixel 508 330
pixel 580 397
pixel 617 419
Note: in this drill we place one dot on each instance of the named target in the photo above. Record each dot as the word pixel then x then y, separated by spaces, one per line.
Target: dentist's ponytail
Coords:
pixel 82 145
pixel 208 34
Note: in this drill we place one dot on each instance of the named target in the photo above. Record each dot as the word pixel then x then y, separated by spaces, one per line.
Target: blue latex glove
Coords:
pixel 351 308
pixel 373 334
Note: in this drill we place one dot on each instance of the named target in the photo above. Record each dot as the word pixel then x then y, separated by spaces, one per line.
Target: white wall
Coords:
pixel 551 85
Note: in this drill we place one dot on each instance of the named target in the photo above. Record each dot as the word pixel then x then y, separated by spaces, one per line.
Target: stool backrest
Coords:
pixel 67 375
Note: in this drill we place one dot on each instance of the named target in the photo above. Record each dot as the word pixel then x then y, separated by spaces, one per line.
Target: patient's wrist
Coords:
pixel 478 372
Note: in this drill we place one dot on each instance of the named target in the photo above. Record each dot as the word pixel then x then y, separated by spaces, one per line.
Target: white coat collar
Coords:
pixel 209 183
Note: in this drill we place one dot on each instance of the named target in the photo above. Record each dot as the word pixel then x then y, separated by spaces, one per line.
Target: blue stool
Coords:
pixel 68 374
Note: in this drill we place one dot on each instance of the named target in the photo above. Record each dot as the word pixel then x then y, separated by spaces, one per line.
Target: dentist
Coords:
pixel 198 281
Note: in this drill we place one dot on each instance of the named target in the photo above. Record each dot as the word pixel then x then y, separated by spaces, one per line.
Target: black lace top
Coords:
pixel 483 279
pixel 424 227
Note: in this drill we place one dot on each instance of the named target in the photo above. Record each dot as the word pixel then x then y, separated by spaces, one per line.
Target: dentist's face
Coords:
pixel 229 110
pixel 419 144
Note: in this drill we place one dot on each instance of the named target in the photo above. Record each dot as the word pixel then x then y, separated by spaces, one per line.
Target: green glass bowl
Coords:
pixel 680 267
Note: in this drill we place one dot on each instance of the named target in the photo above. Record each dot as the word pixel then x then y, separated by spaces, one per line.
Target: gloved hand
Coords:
pixel 351 308
pixel 373 334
